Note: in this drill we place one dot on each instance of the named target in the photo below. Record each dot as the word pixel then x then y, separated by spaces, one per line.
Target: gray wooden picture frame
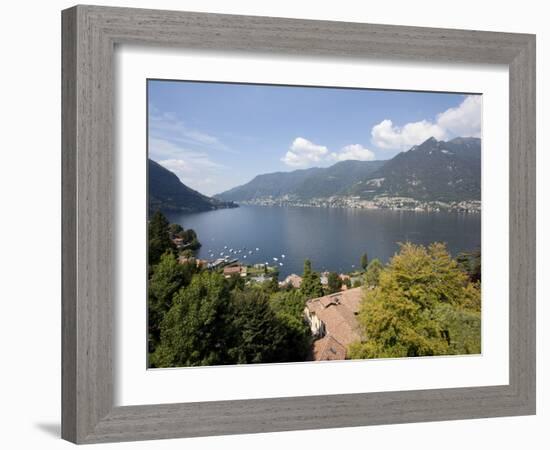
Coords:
pixel 90 34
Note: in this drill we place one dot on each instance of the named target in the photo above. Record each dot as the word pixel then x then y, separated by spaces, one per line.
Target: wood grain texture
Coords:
pixel 89 36
pixel 68 227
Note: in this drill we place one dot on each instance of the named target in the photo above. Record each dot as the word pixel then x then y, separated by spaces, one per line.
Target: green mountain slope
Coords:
pixel 304 184
pixel 432 171
pixel 168 193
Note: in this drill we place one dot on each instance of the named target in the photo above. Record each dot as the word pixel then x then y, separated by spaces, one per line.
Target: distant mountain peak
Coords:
pixel 432 171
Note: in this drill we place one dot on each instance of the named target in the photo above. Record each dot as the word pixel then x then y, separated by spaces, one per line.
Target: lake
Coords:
pixel 333 238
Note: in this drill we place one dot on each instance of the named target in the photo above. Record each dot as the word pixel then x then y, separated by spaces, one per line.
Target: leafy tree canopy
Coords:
pixel 423 305
pixel 256 336
pixel 372 274
pixel 159 238
pixel 175 228
pixel 470 262
pixel 194 330
pixel 311 286
pixel 334 283
pixel 289 309
pixel 168 277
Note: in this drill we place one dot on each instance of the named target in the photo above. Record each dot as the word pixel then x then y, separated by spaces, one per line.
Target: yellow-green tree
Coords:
pixel 424 305
pixel 372 274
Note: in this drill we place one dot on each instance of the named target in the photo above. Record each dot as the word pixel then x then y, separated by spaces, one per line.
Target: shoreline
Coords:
pixel 390 204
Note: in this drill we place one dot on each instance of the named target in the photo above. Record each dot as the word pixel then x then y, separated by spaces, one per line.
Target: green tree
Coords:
pixel 194 331
pixel 159 238
pixel 255 330
pixel 168 277
pixel 423 305
pixel 364 261
pixel 470 262
pixel 190 239
pixel 235 282
pixel 372 274
pixel 289 309
pixel 311 284
pixel 290 302
pixel 175 229
pixel 334 283
pixel 187 253
pixel 461 329
pixel 272 285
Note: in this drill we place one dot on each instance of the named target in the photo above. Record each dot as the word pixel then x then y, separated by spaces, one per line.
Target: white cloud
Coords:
pixel 389 136
pixel 464 121
pixel 355 152
pixel 304 153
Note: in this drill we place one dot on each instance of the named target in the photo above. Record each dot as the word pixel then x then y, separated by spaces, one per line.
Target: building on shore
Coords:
pixel 333 322
pixel 328 349
pixel 236 269
pixel 293 280
pixel 345 279
pixel 186 260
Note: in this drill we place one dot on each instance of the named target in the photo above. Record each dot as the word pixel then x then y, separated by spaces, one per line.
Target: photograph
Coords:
pixel 297 223
pixel 264 225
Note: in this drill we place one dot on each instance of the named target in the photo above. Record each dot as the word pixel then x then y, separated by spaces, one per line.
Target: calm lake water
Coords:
pixel 333 238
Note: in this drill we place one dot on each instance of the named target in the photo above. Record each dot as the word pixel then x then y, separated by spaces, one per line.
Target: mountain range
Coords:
pixel 305 183
pixel 432 171
pixel 168 193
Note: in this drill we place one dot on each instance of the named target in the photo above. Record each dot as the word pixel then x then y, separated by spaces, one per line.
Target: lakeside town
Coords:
pixel 378 202
pixel 331 318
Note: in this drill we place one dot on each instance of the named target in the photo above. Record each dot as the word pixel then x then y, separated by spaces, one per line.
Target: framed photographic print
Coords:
pixel 268 222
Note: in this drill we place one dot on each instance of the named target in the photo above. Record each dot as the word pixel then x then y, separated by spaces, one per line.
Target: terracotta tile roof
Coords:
pixel 338 313
pixel 294 280
pixel 231 270
pixel 328 349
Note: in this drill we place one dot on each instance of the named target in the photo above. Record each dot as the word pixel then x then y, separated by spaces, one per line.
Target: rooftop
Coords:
pixel 230 270
pixel 338 313
pixel 328 349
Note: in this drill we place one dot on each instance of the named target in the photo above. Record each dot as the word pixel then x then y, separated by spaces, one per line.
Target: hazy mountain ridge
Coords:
pixel 432 171
pixel 304 183
pixel 168 193
pixel 276 184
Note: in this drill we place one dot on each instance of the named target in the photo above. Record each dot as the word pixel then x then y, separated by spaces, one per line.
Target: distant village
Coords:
pixel 379 202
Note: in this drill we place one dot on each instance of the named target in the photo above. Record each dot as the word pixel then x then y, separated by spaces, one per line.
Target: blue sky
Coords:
pixel 215 136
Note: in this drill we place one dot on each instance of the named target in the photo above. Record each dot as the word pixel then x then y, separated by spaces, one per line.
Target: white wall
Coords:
pixel 30 225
